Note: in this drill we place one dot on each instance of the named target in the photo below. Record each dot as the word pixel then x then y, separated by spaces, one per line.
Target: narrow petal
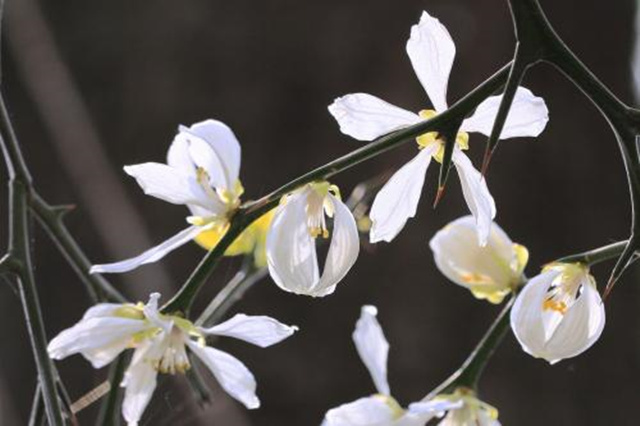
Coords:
pixel 370 411
pixel 476 194
pixel 233 375
pixel 152 255
pixel 139 383
pixel 291 251
pixel 398 200
pixel 366 117
pixel 528 116
pixel 98 338
pixel 581 326
pixel 262 331
pixel 526 314
pixel 224 145
pixel 168 184
pixel 343 249
pixel 372 347
pixel 432 51
pixel 436 407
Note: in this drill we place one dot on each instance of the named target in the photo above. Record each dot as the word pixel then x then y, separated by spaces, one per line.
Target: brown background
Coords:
pixel 269 69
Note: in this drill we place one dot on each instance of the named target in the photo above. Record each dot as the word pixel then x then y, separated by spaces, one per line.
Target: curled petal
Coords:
pixel 398 200
pixel 233 375
pixel 366 117
pixel 139 383
pixel 374 410
pixel 372 347
pixel 343 249
pixel 432 51
pixel 169 184
pixel 152 255
pixel 528 116
pixel 179 156
pixel 222 161
pixel 291 251
pixel 476 194
pixel 262 331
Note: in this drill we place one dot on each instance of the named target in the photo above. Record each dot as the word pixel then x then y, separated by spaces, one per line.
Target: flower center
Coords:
pixel 174 357
pixel 428 139
pixel 230 197
pixel 565 288
pixel 320 205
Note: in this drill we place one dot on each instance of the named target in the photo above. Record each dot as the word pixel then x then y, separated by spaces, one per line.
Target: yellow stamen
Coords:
pixel 427 139
pixel 552 305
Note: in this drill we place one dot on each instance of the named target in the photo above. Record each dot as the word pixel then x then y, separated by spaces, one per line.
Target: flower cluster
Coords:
pixel 556 315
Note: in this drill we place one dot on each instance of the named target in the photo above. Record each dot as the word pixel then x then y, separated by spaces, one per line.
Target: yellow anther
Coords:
pixel 476 278
pixel 552 305
pixel 427 139
pixel 317 232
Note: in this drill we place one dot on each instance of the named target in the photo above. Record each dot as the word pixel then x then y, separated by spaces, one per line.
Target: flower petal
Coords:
pixel 179 157
pixel 476 194
pixel 398 200
pixel 233 375
pixel 222 159
pixel 169 184
pixel 291 251
pixel 369 411
pixel 581 326
pixel 366 117
pixel 528 116
pixel 432 51
pixel 343 249
pixel 436 407
pixel 139 383
pixel 152 255
pixel 372 347
pixel 262 331
pixel 99 339
pixel 526 314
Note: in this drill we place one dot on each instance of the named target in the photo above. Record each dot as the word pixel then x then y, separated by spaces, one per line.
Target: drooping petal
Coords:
pixel 526 314
pixel 369 411
pixel 291 250
pixel 139 383
pixel 152 255
pixel 372 347
pixel 169 184
pixel 225 150
pixel 343 249
pixel 581 326
pixel 488 271
pixel 99 339
pixel 398 200
pixel 233 375
pixel 476 194
pixel 432 51
pixel 262 331
pixel 528 116
pixel 366 117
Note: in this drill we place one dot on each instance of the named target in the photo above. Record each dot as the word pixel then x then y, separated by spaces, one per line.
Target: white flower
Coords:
pixel 291 241
pixel 491 271
pixel 559 313
pixel 380 409
pixel 366 117
pixel 203 165
pixel 470 411
pixel 160 344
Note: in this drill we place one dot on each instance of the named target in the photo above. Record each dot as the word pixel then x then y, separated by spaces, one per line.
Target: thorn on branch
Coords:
pixel 625 260
pixel 61 210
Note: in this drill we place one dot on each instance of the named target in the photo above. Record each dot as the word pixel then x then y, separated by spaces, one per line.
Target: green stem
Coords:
pixel 601 254
pixel 248 213
pixel 109 414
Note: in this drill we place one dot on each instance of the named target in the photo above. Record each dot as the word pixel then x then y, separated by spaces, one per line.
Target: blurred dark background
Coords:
pixel 95 85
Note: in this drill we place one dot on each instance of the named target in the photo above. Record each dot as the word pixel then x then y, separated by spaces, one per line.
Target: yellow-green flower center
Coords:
pixel 428 139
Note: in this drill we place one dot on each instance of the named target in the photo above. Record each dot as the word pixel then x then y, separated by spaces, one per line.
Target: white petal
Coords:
pixel 139 383
pixel 369 411
pixel 259 330
pixel 179 157
pixel 458 254
pixel 526 314
pixel 233 375
pixel 152 255
pixel 581 326
pixel 169 184
pixel 102 310
pixel 99 339
pixel 476 194
pixel 366 117
pixel 224 146
pixel 528 116
pixel 436 407
pixel 398 200
pixel 291 251
pixel 343 249
pixel 432 52
pixel 372 347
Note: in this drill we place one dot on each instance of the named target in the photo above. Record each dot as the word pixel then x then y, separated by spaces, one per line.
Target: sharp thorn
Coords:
pixel 439 196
